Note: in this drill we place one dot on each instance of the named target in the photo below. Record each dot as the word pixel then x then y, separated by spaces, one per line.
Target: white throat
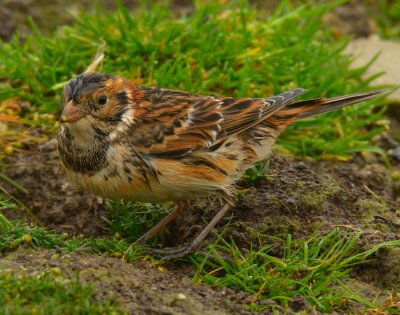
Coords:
pixel 84 135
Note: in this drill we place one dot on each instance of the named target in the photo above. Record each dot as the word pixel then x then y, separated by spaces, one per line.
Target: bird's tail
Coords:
pixel 310 108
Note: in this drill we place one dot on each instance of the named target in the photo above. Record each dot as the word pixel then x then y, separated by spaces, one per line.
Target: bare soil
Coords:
pixel 142 289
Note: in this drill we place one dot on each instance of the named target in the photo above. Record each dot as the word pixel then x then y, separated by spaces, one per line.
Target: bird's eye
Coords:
pixel 102 100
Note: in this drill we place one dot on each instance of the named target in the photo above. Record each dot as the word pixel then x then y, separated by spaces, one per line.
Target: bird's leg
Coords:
pixel 172 253
pixel 160 225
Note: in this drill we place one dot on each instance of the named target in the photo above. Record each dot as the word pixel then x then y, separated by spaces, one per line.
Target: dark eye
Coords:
pixel 102 100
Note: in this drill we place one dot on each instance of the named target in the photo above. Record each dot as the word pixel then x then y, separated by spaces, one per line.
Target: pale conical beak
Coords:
pixel 70 113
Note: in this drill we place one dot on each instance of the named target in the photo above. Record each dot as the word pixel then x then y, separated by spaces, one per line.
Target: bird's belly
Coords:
pixel 133 188
pixel 158 181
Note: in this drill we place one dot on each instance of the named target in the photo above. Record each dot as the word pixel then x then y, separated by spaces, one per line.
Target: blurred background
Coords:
pixel 360 18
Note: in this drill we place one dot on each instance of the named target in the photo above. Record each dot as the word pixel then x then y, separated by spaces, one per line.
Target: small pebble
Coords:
pixel 396 153
pixel 181 296
pixel 56 270
pixel 55 256
pixel 8 150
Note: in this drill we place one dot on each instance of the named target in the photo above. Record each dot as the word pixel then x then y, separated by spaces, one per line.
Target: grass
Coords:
pixel 220 49
pixel 316 269
pixel 126 222
pixel 50 293
pixel 386 14
pixel 130 220
pixel 256 173
pixel 16 234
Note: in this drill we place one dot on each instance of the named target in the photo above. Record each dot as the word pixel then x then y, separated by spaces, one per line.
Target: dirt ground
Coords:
pixel 355 194
pixel 141 288
pixel 297 196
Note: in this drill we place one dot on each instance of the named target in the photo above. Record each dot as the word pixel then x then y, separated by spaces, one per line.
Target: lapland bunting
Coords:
pixel 122 140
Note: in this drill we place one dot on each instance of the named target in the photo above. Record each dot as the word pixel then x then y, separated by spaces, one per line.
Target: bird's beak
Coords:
pixel 70 113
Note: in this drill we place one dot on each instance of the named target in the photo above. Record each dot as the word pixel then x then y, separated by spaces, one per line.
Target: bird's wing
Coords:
pixel 171 124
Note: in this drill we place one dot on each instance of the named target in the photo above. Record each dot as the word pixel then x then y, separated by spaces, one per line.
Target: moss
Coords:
pixel 330 186
pixel 390 263
pixel 377 214
pixel 373 206
pixel 269 226
pixel 314 200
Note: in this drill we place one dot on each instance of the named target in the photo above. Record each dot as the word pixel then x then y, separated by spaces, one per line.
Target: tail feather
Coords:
pixel 310 108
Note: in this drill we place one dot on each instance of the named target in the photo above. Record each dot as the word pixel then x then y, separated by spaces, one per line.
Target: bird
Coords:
pixel 121 140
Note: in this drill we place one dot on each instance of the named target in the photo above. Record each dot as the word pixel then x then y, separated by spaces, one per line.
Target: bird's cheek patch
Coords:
pixel 110 110
pixel 93 107
pixel 112 114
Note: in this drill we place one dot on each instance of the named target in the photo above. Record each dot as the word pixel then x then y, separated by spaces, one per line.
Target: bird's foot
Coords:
pixel 170 253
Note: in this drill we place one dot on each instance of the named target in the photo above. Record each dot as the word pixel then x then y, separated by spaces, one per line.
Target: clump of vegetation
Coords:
pixel 50 293
pixel 16 234
pixel 220 49
pixel 316 269
pixel 257 172
pixel 130 220
pixel 386 14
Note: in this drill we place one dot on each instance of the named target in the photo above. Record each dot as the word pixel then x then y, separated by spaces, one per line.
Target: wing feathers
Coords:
pixel 172 124
pixel 309 108
pixel 253 111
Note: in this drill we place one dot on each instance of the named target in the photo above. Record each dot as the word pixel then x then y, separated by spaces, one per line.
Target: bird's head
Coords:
pixel 96 101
